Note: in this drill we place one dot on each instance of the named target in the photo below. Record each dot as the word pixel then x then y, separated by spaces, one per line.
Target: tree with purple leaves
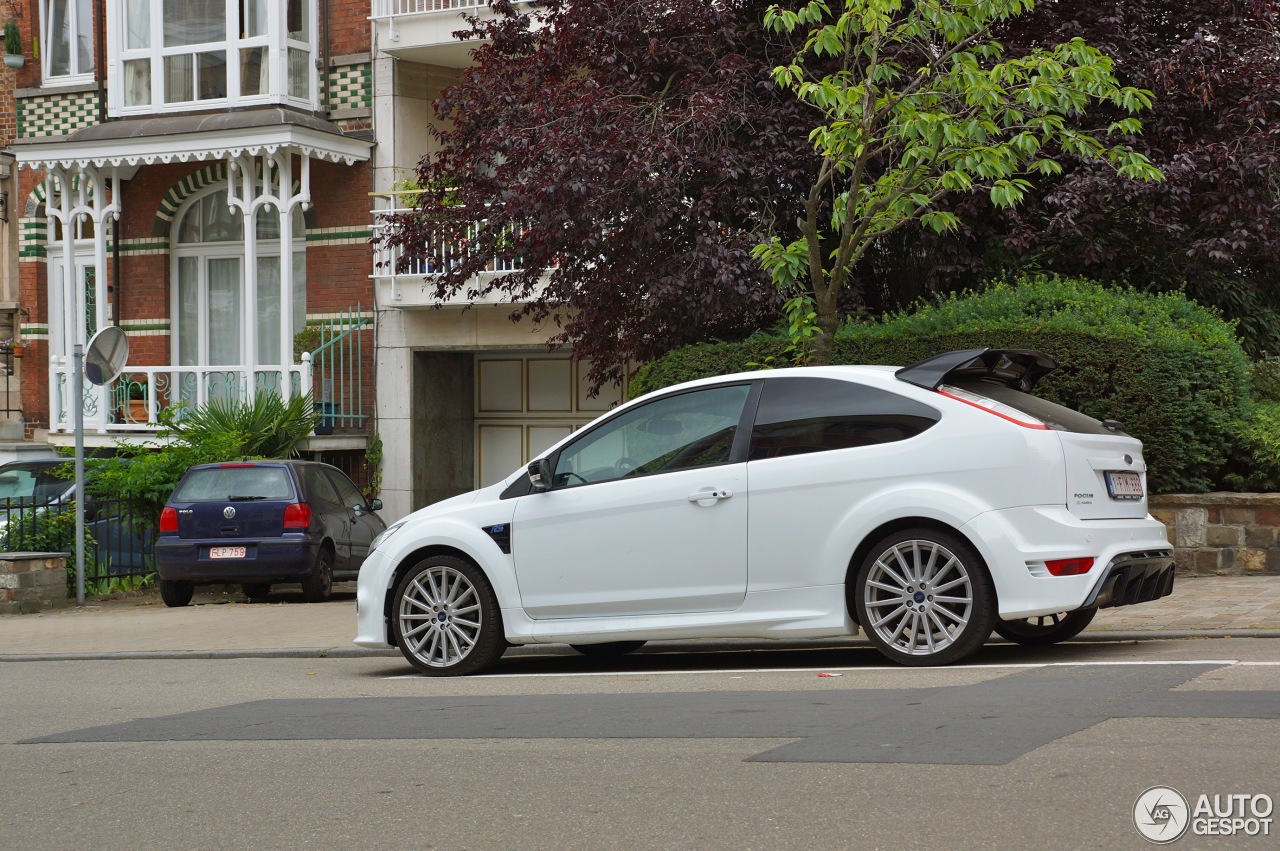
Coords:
pixel 619 161
pixel 1213 225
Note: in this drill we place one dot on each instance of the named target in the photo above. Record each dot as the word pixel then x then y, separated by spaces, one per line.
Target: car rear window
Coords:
pixel 1050 413
pixel 222 484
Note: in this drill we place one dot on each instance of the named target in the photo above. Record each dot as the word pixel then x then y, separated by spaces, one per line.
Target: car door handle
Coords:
pixel 710 494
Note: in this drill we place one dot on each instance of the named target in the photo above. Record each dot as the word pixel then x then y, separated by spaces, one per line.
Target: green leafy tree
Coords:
pixel 917 101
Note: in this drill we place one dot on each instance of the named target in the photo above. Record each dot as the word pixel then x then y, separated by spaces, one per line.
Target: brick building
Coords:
pixel 198 173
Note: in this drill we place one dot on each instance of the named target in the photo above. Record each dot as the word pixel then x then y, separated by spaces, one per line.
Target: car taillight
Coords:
pixel 169 520
pixel 991 406
pixel 297 516
pixel 1069 566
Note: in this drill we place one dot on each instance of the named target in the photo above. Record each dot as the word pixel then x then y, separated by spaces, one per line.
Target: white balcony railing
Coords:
pixel 398 8
pixel 134 401
pixel 414 285
pixel 423 30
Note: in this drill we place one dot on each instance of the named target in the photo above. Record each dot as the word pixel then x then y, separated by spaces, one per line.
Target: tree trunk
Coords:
pixel 826 305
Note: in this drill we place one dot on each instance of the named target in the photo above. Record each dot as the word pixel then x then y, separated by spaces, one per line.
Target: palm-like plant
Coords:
pixel 266 425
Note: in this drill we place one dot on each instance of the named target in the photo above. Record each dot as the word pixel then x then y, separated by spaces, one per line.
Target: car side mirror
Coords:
pixel 540 473
pixel 375 505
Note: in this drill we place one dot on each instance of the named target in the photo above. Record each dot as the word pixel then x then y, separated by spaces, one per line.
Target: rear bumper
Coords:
pixel 1132 560
pixel 271 560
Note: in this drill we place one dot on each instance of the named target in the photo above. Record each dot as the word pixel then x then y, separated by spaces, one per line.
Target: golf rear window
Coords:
pixel 223 484
pixel 1050 413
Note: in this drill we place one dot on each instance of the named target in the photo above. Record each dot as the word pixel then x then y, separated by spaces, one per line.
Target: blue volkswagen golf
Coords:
pixel 261 522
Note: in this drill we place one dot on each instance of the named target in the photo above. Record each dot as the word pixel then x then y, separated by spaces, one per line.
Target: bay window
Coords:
pixel 66 31
pixel 209 258
pixel 176 55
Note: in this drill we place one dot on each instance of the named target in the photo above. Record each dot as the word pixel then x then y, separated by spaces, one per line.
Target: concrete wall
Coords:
pixel 443 428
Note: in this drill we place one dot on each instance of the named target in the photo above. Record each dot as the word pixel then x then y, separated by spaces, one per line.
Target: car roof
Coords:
pixel 40 464
pixel 261 462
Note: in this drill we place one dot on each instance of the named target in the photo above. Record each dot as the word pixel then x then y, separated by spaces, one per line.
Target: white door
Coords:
pixel 646 515
pixel 77 311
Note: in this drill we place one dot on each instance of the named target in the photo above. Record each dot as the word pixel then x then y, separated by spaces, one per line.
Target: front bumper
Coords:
pixel 371 599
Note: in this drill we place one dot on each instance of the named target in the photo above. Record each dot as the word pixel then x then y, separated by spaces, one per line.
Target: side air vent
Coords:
pixel 501 534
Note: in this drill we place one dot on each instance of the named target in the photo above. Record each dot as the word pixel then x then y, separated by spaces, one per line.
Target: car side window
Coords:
pixel 678 432
pixel 349 495
pixel 318 486
pixel 801 415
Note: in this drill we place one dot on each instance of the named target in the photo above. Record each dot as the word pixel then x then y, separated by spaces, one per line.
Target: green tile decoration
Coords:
pixel 56 115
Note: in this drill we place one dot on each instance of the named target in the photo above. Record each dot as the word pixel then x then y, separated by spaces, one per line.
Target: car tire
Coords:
pixel 256 590
pixel 445 618
pixel 318 584
pixel 608 648
pixel 923 597
pixel 176 593
pixel 1046 629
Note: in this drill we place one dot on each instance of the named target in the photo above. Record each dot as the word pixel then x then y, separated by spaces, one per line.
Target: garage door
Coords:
pixel 524 404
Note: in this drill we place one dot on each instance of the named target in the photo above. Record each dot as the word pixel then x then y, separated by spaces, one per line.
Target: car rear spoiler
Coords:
pixel 1016 368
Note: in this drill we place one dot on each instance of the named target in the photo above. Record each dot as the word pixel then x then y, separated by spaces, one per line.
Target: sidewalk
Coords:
pixel 226 625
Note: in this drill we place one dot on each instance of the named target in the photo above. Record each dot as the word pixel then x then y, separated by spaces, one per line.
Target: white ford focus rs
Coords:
pixel 926 505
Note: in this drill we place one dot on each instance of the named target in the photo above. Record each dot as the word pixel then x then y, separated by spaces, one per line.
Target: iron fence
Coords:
pixel 118 546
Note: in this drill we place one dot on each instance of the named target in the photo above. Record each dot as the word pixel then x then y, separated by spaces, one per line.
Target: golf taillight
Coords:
pixel 169 520
pixel 297 516
pixel 1069 566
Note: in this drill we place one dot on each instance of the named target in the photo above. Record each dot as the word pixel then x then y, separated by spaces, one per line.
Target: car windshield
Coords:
pixel 31 484
pixel 219 484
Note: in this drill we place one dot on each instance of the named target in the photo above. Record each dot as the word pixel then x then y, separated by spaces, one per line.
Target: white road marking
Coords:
pixel 878 668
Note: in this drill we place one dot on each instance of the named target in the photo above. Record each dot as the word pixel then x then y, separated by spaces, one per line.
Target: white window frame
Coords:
pixel 80 77
pixel 276 41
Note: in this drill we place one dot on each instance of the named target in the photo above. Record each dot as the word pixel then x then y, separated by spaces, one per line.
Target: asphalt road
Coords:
pixel 720 745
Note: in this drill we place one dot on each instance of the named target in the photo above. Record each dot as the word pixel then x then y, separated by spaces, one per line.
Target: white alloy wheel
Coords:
pixel 445 618
pixel 924 598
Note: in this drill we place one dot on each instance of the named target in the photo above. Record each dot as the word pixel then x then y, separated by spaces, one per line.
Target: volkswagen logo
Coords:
pixel 229 512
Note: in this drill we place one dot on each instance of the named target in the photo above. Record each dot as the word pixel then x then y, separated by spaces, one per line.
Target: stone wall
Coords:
pixel 1222 534
pixel 32 582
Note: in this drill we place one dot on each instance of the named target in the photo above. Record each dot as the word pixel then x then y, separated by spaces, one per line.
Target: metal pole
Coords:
pixel 77 397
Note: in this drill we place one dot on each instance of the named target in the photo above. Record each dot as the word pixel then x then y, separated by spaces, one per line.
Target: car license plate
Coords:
pixel 1124 485
pixel 226 552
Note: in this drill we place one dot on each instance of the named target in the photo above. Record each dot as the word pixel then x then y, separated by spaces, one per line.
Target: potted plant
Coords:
pixel 13 45
pixel 138 412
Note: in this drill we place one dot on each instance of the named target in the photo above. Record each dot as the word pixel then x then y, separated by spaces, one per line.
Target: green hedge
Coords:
pixel 1169 369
